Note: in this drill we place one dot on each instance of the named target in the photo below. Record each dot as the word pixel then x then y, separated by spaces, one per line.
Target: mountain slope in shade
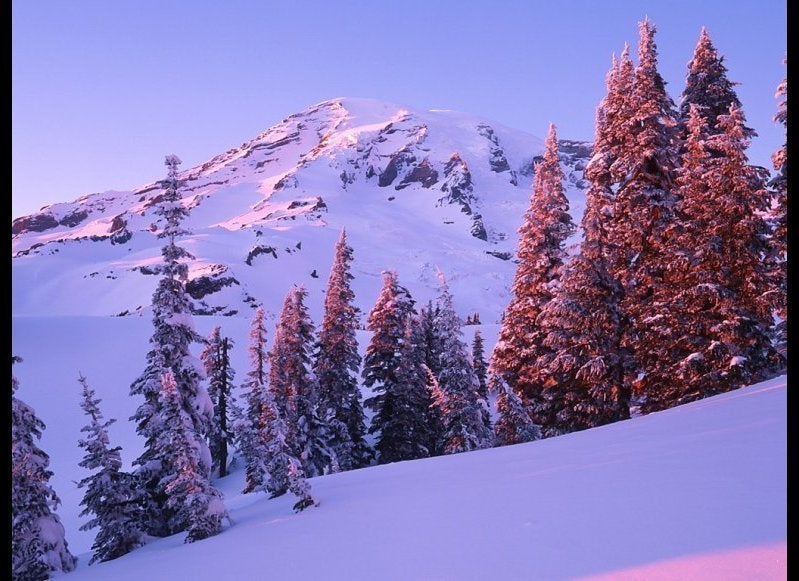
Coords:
pixel 695 492
pixel 416 191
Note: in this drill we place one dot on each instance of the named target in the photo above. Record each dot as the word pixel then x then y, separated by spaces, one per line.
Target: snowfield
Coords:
pixel 695 492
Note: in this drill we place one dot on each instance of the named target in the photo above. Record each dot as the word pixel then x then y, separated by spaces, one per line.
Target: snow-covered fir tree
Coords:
pixel 778 257
pixel 173 335
pixel 284 471
pixel 279 384
pixel 467 425
pixel 249 428
pixel 642 171
pixel 220 374
pixel 431 341
pixel 541 252
pixel 388 321
pixel 480 367
pixel 414 420
pixel 196 505
pixel 712 316
pixel 513 424
pixel 110 500
pixel 582 370
pixel 269 463
pixel 612 137
pixel 479 364
pixel 296 388
pixel 424 336
pixel 38 545
pixel 708 88
pixel 337 364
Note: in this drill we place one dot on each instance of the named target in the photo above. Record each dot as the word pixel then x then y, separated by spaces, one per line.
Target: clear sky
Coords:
pixel 102 90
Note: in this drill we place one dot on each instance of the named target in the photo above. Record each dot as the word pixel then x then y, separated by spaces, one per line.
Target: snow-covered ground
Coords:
pixel 694 492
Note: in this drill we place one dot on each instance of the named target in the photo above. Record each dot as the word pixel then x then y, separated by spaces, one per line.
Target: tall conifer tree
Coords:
pixel 220 373
pixel 388 321
pixel 110 498
pixel 642 193
pixel 582 370
pixel 542 237
pixel 708 328
pixel 173 335
pixel 196 505
pixel 296 387
pixel 779 218
pixel 38 545
pixel 337 364
pixel 467 425
pixel 249 425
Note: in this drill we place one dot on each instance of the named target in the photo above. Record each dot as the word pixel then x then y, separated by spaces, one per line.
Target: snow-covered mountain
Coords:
pixel 416 191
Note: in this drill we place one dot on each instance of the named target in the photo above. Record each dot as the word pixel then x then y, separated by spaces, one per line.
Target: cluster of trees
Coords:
pixel 673 294
pixel 678 292
pixel 302 414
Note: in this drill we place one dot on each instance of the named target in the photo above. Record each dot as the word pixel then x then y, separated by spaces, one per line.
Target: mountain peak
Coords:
pixel 415 189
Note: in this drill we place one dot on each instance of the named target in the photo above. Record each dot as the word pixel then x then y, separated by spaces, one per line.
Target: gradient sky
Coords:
pixel 102 90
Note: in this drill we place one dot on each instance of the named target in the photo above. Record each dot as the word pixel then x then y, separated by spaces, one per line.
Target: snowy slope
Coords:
pixel 695 492
pixel 414 189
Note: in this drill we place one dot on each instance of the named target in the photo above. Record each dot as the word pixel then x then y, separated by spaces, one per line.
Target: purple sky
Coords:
pixel 101 90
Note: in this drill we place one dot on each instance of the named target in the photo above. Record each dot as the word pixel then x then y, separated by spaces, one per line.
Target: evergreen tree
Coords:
pixel 779 222
pixel 712 316
pixel 38 546
pixel 467 424
pixel 249 426
pixel 642 172
pixel 513 425
pixel 337 363
pixel 480 367
pixel 110 498
pixel 220 373
pixel 414 418
pixel 196 505
pixel 382 372
pixel 262 432
pixel 296 389
pixel 613 136
pixel 542 237
pixel 644 165
pixel 708 88
pixel 173 334
pixel 431 342
pixel 279 382
pixel 582 370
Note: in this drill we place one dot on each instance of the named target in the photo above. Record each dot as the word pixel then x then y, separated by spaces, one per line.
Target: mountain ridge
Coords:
pixel 416 190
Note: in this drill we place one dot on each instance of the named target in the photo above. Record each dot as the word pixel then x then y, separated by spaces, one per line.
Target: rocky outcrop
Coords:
pixel 74 218
pixel 423 174
pixel 257 251
pixel 119 230
pixel 398 162
pixel 459 189
pixel 497 160
pixel 457 184
pixel 203 286
pixel 34 223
